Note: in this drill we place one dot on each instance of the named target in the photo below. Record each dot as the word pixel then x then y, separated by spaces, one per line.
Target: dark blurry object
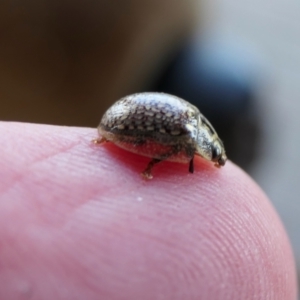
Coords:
pixel 65 62
pixel 222 82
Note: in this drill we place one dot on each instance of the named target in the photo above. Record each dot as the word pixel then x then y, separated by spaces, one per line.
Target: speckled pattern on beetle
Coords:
pixel 163 127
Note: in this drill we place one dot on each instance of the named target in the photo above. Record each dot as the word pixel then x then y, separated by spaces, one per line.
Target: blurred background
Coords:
pixel 64 62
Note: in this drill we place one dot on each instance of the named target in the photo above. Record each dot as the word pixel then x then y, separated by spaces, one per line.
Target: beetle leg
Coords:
pixel 191 166
pixel 99 140
pixel 147 172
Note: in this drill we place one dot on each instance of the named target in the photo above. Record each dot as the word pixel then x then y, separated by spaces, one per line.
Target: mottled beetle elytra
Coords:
pixel 163 127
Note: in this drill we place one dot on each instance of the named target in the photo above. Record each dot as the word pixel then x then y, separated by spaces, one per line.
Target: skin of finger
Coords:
pixel 78 222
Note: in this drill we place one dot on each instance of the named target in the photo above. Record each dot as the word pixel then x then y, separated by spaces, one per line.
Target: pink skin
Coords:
pixel 78 222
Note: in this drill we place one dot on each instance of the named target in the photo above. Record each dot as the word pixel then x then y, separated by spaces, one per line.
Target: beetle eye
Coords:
pixel 216 152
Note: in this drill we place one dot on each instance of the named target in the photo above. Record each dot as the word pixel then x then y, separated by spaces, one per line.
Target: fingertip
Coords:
pixel 209 235
pixel 236 235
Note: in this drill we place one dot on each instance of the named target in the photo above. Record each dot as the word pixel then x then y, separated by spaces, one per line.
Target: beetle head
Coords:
pixel 218 154
pixel 210 147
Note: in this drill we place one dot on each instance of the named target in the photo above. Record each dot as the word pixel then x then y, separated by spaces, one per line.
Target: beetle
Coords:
pixel 163 127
